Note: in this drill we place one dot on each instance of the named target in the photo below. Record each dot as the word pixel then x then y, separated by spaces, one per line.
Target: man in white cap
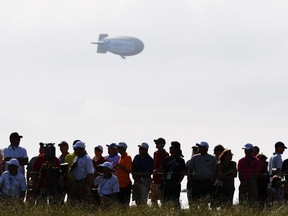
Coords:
pixel 82 173
pixel 142 169
pixel 248 169
pixel 12 182
pixel 108 185
pixel 202 172
pixel 16 151
pixel 124 168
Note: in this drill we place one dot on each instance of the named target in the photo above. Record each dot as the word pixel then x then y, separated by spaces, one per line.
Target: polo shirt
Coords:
pixel 18 152
pixel 12 185
pixel 85 167
pixel 248 168
pixel 107 186
pixel 69 159
pixel 159 157
pixel 275 162
pixel 203 167
pixel 142 164
pixel 113 160
pixel 123 177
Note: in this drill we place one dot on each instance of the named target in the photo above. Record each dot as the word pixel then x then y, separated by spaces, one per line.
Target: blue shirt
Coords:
pixel 144 164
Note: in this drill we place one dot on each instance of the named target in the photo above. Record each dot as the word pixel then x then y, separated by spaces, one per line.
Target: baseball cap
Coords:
pixel 79 144
pixel 176 144
pixel 203 144
pixel 112 145
pixel 248 146
pixel 122 144
pixel 144 145
pixel 218 148
pixel 160 141
pixel 63 143
pixel 280 144
pixel 107 165
pixel 99 147
pixel 15 135
pixel 14 162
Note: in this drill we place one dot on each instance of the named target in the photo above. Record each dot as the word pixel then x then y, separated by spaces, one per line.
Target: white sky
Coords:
pixel 210 70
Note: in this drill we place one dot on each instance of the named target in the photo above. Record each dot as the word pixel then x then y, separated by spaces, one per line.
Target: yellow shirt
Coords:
pixel 69 159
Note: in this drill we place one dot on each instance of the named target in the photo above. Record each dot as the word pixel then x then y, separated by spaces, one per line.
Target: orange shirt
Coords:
pixel 123 177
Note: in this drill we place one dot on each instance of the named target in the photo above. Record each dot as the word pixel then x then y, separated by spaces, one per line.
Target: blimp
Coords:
pixel 120 45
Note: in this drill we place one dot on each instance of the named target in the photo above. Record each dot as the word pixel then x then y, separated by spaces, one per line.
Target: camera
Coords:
pixel 50 152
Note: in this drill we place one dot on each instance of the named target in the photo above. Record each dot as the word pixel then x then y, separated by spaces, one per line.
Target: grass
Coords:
pixel 16 208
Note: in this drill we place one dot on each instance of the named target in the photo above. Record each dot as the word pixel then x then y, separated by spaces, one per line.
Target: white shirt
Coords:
pixel 85 166
pixel 275 162
pixel 18 152
pixel 12 185
pixel 107 186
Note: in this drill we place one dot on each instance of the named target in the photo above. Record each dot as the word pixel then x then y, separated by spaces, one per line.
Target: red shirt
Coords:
pixel 248 168
pixel 158 161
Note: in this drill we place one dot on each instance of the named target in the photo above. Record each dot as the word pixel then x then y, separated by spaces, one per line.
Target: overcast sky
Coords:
pixel 210 70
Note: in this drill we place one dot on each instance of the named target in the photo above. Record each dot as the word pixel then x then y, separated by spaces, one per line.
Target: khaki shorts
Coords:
pixel 156 193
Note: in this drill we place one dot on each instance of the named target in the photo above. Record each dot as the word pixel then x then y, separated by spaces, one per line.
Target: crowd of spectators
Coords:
pixel 115 178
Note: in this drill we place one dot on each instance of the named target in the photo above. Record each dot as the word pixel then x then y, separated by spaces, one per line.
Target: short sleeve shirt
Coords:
pixel 203 167
pixel 18 152
pixel 175 166
pixel 107 186
pixel 248 168
pixel 275 162
pixel 85 167
pixel 141 165
pixel 12 185
pixel 123 177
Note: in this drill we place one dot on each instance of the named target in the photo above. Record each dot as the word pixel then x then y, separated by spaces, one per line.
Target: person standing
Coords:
pixel 12 182
pixel 142 169
pixel 195 151
pixel 218 149
pixel 64 148
pixel 48 172
pixel 202 168
pixel 124 168
pixel 248 169
pixel 174 169
pixel 159 156
pixel 275 162
pixel 82 173
pixel 113 156
pixel 98 158
pixel 16 151
pixel 226 172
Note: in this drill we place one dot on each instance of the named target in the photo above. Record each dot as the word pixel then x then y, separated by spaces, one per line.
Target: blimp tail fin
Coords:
pixel 102 36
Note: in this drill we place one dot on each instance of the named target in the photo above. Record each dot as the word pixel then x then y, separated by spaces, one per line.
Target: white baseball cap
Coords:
pixel 14 162
pixel 144 145
pixel 122 144
pixel 107 165
pixel 79 144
